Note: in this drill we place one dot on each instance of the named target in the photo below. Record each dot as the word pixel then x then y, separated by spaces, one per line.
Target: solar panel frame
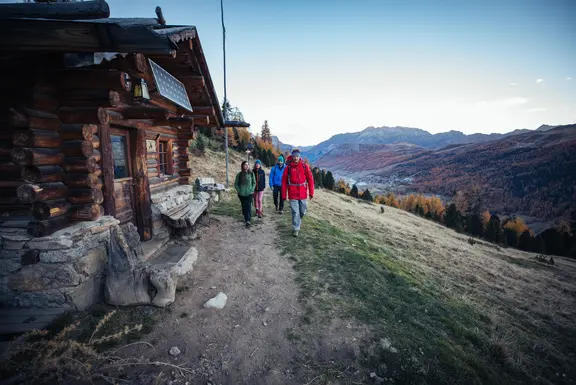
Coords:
pixel 170 87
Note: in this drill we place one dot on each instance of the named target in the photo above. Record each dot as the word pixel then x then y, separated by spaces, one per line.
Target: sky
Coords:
pixel 315 68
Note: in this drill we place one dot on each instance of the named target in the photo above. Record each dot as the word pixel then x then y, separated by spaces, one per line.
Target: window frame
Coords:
pixel 169 163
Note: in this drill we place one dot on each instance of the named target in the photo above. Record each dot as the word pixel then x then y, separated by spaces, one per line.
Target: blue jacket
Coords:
pixel 276 175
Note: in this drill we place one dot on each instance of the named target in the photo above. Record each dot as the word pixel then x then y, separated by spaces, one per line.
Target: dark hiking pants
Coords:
pixel 278 201
pixel 246 207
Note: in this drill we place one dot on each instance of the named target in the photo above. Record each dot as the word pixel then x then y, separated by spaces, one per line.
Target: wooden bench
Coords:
pixel 186 214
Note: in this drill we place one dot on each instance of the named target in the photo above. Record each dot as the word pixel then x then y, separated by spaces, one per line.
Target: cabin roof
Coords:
pixel 105 38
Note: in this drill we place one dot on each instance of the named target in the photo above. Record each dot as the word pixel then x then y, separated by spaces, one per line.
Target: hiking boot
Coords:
pixel 281 212
pixel 295 233
pixel 259 215
pixel 275 208
pixel 248 224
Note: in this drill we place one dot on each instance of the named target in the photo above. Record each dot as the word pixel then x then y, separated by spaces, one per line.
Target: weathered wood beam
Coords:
pixel 29 99
pixel 78 148
pixel 142 112
pixel 82 180
pixel 47 227
pixel 81 165
pixel 142 186
pixel 89 115
pixel 107 169
pixel 90 98
pixel 36 156
pixel 42 174
pixel 78 131
pixel 30 193
pixel 193 81
pixel 96 79
pixel 83 196
pixel 27 118
pixel 86 10
pixel 89 212
pixel 36 138
pixel 50 209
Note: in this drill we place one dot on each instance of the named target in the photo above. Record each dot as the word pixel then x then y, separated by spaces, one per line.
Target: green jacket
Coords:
pixel 248 188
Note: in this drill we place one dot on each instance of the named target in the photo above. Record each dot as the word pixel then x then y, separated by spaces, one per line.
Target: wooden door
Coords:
pixel 123 175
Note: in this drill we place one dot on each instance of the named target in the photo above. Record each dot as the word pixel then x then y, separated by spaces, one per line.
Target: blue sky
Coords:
pixel 319 67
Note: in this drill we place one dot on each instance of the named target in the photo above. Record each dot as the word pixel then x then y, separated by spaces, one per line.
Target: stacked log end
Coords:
pixel 33 170
pixel 82 165
pixel 183 166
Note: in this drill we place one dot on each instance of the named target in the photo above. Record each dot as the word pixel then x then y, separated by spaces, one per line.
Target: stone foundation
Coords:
pixel 65 269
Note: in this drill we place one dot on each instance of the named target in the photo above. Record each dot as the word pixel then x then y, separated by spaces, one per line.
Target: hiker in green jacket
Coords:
pixel 244 185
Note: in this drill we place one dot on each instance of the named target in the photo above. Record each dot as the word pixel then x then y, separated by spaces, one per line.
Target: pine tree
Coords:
pixel 474 225
pixel 539 245
pixel 453 218
pixel 511 237
pixel 329 181
pixel 526 241
pixel 421 211
pixel 494 229
pixel 354 191
pixel 367 196
pixel 201 144
pixel 266 134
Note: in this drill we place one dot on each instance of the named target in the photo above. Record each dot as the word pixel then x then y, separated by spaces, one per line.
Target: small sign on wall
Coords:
pixel 150 145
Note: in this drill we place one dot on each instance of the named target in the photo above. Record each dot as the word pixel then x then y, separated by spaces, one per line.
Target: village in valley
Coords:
pixel 126 260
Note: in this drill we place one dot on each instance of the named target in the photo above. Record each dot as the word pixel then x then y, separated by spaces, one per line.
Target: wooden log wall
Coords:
pixel 183 147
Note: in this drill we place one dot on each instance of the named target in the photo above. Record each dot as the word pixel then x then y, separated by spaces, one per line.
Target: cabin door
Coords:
pixel 123 175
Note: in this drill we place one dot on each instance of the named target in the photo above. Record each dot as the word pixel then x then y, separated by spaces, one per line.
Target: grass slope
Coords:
pixel 434 310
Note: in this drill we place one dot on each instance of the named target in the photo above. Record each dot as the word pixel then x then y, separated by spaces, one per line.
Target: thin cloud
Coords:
pixel 536 110
pixel 539 80
pixel 568 77
pixel 513 84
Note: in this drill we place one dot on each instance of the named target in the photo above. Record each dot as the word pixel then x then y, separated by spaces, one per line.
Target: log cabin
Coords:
pixel 96 118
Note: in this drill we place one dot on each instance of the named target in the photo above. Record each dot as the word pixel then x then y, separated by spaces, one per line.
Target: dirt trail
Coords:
pixel 244 343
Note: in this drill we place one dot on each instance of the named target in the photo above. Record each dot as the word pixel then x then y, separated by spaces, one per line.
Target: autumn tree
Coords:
pixel 391 200
pixel 266 135
pixel 511 237
pixel 341 186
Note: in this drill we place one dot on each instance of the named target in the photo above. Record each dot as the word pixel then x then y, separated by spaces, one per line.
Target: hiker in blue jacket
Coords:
pixel 276 183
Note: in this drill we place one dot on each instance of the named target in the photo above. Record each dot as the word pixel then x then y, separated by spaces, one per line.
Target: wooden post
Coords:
pixel 107 169
pixel 142 186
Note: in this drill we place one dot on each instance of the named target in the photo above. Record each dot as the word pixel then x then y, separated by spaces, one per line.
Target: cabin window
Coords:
pixel 119 151
pixel 163 158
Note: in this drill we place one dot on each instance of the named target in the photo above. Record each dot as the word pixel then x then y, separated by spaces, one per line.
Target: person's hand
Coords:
pixel 311 197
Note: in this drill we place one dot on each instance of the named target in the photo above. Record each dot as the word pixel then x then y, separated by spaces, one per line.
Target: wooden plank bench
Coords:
pixel 186 214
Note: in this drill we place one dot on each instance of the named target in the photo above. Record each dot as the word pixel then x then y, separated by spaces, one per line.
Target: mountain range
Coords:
pixel 524 172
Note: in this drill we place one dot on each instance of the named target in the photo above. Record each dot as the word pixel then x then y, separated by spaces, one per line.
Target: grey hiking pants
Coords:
pixel 298 209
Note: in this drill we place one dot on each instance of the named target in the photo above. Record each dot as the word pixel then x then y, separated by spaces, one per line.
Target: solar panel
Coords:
pixel 170 87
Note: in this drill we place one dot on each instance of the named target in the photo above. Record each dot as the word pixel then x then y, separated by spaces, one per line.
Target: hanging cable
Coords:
pixel 225 104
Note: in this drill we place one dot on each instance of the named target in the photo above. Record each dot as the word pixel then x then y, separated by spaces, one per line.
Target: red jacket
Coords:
pixel 301 182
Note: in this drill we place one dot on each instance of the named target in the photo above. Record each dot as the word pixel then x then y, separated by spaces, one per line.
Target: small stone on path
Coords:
pixel 174 351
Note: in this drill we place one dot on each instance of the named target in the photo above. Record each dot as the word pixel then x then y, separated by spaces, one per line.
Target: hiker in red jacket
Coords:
pixel 298 183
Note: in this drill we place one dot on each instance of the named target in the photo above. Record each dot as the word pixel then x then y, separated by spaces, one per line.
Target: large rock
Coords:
pixel 164 280
pixel 127 278
pixel 133 239
pixel 42 276
pixel 92 263
pixel 51 243
pixel 87 293
pixel 46 298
